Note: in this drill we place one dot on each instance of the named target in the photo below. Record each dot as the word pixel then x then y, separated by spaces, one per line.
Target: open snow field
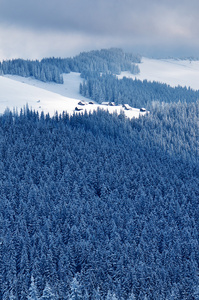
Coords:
pixel 69 89
pixel 16 92
pixel 169 71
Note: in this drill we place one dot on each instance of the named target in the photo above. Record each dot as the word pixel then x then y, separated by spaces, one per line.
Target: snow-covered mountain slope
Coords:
pixel 70 88
pixel 169 71
pixel 16 92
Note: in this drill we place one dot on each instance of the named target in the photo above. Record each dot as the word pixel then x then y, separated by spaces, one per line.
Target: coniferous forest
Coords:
pixel 98 206
pixel 137 93
pixel 51 69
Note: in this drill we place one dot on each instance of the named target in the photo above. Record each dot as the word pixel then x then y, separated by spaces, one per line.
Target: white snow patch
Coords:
pixel 70 87
pixel 169 71
pixel 16 94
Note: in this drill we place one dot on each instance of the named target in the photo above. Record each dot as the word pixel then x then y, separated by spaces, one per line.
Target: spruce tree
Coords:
pixel 47 293
pixel 33 294
pixel 76 292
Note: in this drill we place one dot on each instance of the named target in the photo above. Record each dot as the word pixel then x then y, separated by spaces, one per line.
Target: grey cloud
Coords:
pixel 95 16
pixel 126 23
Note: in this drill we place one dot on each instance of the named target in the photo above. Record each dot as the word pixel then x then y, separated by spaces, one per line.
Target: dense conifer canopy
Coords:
pixel 100 206
pixel 50 69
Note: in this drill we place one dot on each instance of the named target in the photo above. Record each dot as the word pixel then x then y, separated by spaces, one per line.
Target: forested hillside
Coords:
pixel 51 69
pixel 100 207
pixel 136 93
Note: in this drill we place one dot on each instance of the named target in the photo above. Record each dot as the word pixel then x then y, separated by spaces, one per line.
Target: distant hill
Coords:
pixel 174 72
pixel 51 69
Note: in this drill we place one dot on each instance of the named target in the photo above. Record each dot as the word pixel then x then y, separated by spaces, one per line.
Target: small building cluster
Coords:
pixel 129 111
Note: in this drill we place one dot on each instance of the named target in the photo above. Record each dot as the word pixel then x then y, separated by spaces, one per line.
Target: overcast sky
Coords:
pixel 42 28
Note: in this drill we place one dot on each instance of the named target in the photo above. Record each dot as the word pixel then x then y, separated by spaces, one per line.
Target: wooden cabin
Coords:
pixel 81 103
pixel 78 108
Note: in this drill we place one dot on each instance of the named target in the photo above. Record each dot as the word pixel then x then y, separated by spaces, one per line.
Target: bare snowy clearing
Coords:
pixel 169 71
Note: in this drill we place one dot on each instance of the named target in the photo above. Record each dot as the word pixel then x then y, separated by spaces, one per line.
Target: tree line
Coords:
pixel 51 69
